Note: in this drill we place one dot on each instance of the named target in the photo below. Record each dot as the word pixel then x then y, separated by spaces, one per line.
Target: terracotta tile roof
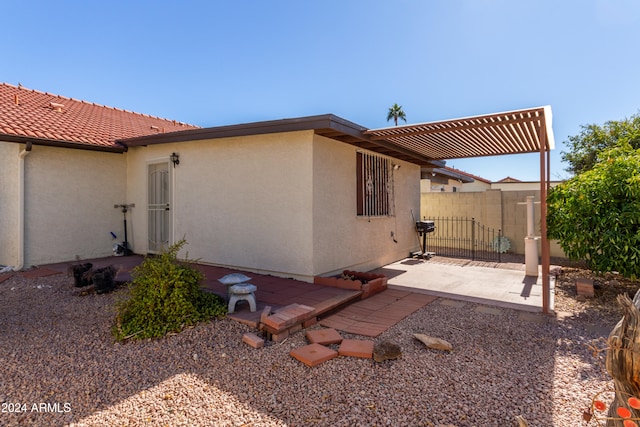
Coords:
pixel 475 177
pixel 509 179
pixel 44 117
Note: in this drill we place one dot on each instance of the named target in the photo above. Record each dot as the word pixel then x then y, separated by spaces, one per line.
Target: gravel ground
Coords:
pixel 60 366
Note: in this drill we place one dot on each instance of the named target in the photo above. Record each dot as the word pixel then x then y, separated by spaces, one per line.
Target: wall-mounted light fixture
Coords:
pixel 175 159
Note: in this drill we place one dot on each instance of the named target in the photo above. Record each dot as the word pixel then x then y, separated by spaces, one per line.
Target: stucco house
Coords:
pixel 299 197
pixel 294 197
pixel 448 180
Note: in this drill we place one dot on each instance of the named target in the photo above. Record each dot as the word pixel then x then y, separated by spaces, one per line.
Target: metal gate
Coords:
pixel 466 238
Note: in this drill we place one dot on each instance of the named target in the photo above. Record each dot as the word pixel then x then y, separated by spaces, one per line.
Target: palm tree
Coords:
pixel 395 113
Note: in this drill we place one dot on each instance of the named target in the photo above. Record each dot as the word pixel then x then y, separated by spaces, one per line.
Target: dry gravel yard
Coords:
pixel 59 366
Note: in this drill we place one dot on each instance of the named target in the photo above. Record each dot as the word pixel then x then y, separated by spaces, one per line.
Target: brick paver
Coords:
pixel 324 336
pixel 356 348
pixel 313 354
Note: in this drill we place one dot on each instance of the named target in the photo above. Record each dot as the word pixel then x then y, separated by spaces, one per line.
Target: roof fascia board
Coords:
pixel 257 128
pixel 315 123
pixel 61 144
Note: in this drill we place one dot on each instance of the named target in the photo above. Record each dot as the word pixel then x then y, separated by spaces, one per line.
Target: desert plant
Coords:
pixel 165 296
pixel 621 362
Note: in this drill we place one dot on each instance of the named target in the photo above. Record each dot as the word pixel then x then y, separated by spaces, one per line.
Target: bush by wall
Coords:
pixel 596 215
pixel 165 296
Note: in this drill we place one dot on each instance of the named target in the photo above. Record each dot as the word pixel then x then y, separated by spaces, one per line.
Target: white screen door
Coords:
pixel 159 207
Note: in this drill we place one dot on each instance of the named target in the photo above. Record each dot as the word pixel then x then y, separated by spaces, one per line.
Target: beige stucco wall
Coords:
pixel 282 204
pixel 9 189
pixel 515 220
pixel 241 202
pixel 341 239
pixel 514 224
pixel 484 206
pixel 476 186
pixel 69 199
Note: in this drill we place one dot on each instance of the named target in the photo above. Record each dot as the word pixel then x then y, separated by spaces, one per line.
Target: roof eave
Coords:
pixel 245 129
pixel 328 125
pixel 116 148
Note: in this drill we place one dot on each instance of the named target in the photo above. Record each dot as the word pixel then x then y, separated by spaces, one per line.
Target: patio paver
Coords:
pixel 356 348
pixel 376 314
pixel 324 336
pixel 453 303
pixel 313 354
pixel 489 310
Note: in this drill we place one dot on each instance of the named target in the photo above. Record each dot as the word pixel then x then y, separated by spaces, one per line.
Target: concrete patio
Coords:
pixel 494 284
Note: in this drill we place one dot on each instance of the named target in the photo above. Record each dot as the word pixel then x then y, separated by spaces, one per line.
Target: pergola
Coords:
pixel 511 132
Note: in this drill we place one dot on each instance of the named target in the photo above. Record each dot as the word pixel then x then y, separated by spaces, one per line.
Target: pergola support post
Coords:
pixel 545 252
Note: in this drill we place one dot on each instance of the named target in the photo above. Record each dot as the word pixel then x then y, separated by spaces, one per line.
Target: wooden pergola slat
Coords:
pixel 511 132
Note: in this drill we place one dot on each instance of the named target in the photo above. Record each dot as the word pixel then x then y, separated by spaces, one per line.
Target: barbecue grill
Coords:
pixel 423 228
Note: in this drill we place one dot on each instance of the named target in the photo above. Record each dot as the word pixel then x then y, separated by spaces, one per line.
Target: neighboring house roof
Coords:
pixel 468 175
pixel 509 179
pixel 449 173
pixel 42 118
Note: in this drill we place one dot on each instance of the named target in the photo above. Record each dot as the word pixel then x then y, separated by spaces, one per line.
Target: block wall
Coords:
pixel 505 210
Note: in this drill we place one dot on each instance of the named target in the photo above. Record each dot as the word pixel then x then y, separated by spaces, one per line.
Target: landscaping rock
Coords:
pixel 434 343
pixel 386 350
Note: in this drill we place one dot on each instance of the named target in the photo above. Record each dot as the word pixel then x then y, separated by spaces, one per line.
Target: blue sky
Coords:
pixel 213 63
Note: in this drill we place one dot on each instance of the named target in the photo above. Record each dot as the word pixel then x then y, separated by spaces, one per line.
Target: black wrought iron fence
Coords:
pixel 465 238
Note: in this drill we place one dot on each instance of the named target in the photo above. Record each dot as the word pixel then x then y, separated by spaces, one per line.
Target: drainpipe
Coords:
pixel 21 214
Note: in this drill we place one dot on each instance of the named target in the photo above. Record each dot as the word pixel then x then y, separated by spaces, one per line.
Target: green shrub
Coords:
pixel 165 296
pixel 596 215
